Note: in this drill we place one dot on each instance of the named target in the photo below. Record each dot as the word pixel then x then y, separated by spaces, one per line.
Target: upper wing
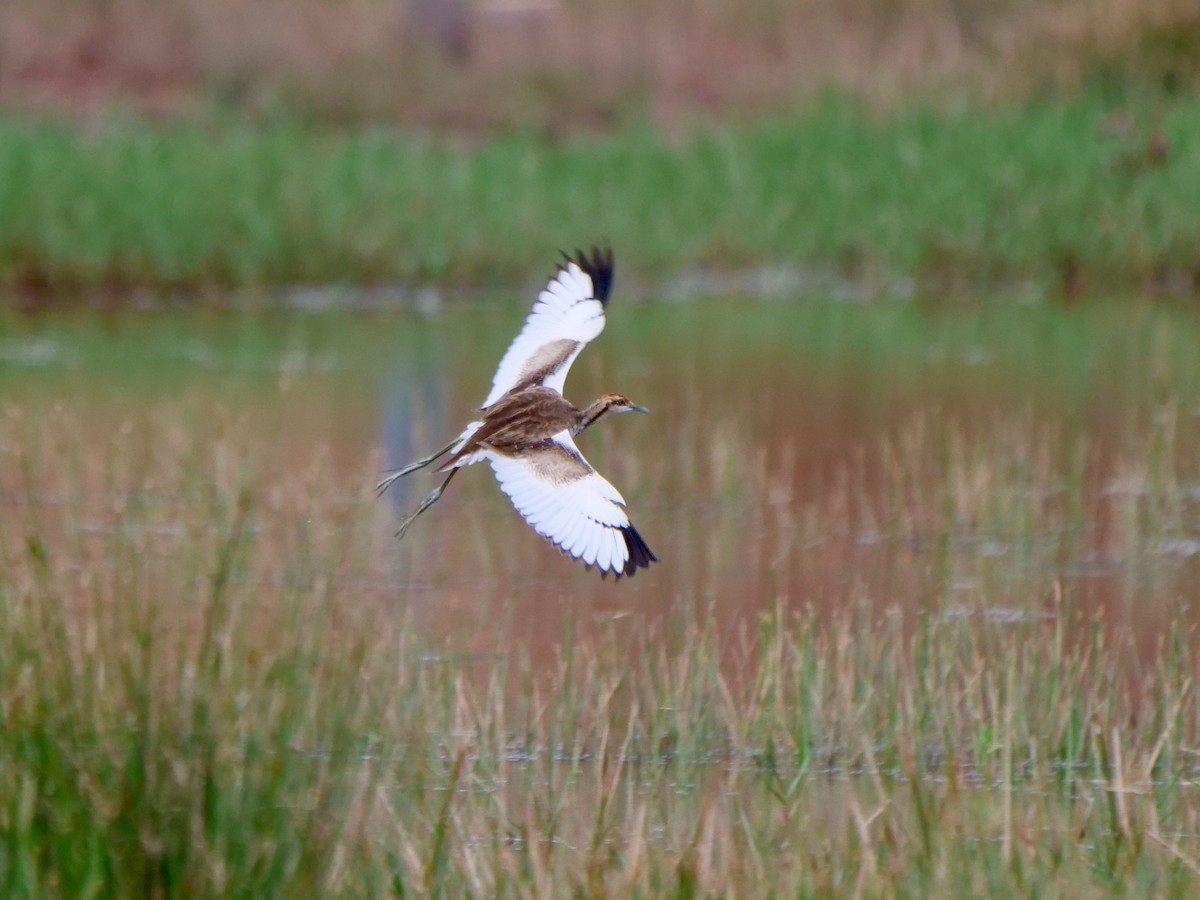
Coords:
pixel 566 315
pixel 564 499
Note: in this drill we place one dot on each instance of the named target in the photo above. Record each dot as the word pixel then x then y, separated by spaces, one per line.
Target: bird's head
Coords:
pixel 620 403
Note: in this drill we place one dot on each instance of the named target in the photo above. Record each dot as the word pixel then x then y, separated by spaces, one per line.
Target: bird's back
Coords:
pixel 519 420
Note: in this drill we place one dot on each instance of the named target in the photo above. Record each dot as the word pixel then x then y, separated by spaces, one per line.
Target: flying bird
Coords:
pixel 528 428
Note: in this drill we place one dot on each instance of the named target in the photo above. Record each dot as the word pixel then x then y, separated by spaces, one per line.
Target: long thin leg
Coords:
pixel 412 467
pixel 425 504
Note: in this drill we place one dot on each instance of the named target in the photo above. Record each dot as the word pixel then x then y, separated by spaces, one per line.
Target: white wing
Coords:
pixel 565 500
pixel 566 315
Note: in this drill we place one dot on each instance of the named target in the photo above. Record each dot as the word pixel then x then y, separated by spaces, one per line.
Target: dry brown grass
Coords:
pixel 876 658
pixel 578 62
pixel 208 687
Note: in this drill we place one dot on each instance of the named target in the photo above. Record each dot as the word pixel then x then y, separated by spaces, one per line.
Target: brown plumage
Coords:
pixel 527 428
pixel 524 420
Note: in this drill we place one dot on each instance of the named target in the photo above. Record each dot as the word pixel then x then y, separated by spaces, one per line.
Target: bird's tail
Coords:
pixel 397 474
pixel 459 459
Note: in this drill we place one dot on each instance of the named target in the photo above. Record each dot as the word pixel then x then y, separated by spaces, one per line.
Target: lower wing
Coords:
pixel 566 501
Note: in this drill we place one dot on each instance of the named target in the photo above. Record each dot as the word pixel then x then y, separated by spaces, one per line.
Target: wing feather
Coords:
pixel 590 548
pixel 604 551
pixel 567 314
pixel 579 510
pixel 610 546
pixel 574 533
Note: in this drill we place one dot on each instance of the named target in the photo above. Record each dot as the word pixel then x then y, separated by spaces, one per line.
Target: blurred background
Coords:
pixel 839 226
pixel 475 66
pixel 252 143
pixel 910 288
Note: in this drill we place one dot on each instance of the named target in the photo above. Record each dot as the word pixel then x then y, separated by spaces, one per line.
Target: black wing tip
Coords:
pixel 598 267
pixel 640 556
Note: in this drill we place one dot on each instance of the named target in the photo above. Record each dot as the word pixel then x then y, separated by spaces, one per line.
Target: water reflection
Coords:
pixel 810 456
pixel 414 413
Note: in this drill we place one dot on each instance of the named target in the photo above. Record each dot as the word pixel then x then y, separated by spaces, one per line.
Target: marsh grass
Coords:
pixel 213 681
pixel 1056 196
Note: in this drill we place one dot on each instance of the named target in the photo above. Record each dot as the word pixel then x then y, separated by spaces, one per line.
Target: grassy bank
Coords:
pixel 1069 194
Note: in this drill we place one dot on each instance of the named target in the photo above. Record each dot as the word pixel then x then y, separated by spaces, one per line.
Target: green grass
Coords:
pixel 1042 193
pixel 234 738
pixel 219 676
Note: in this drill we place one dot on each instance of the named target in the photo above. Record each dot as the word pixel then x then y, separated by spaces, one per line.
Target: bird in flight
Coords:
pixel 528 428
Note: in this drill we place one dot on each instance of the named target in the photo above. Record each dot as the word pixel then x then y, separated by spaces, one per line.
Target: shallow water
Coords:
pixel 994 460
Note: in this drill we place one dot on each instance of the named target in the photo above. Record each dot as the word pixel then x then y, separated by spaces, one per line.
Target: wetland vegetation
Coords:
pixel 933 647
pixel 1058 196
pixel 911 300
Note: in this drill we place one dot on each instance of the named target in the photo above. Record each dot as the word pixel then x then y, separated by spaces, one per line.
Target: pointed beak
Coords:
pixel 633 407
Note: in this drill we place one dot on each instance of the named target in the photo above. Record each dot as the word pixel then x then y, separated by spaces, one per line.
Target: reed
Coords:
pixel 1046 197
pixel 215 678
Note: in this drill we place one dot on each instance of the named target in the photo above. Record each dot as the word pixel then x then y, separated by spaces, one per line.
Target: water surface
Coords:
pixel 991 460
